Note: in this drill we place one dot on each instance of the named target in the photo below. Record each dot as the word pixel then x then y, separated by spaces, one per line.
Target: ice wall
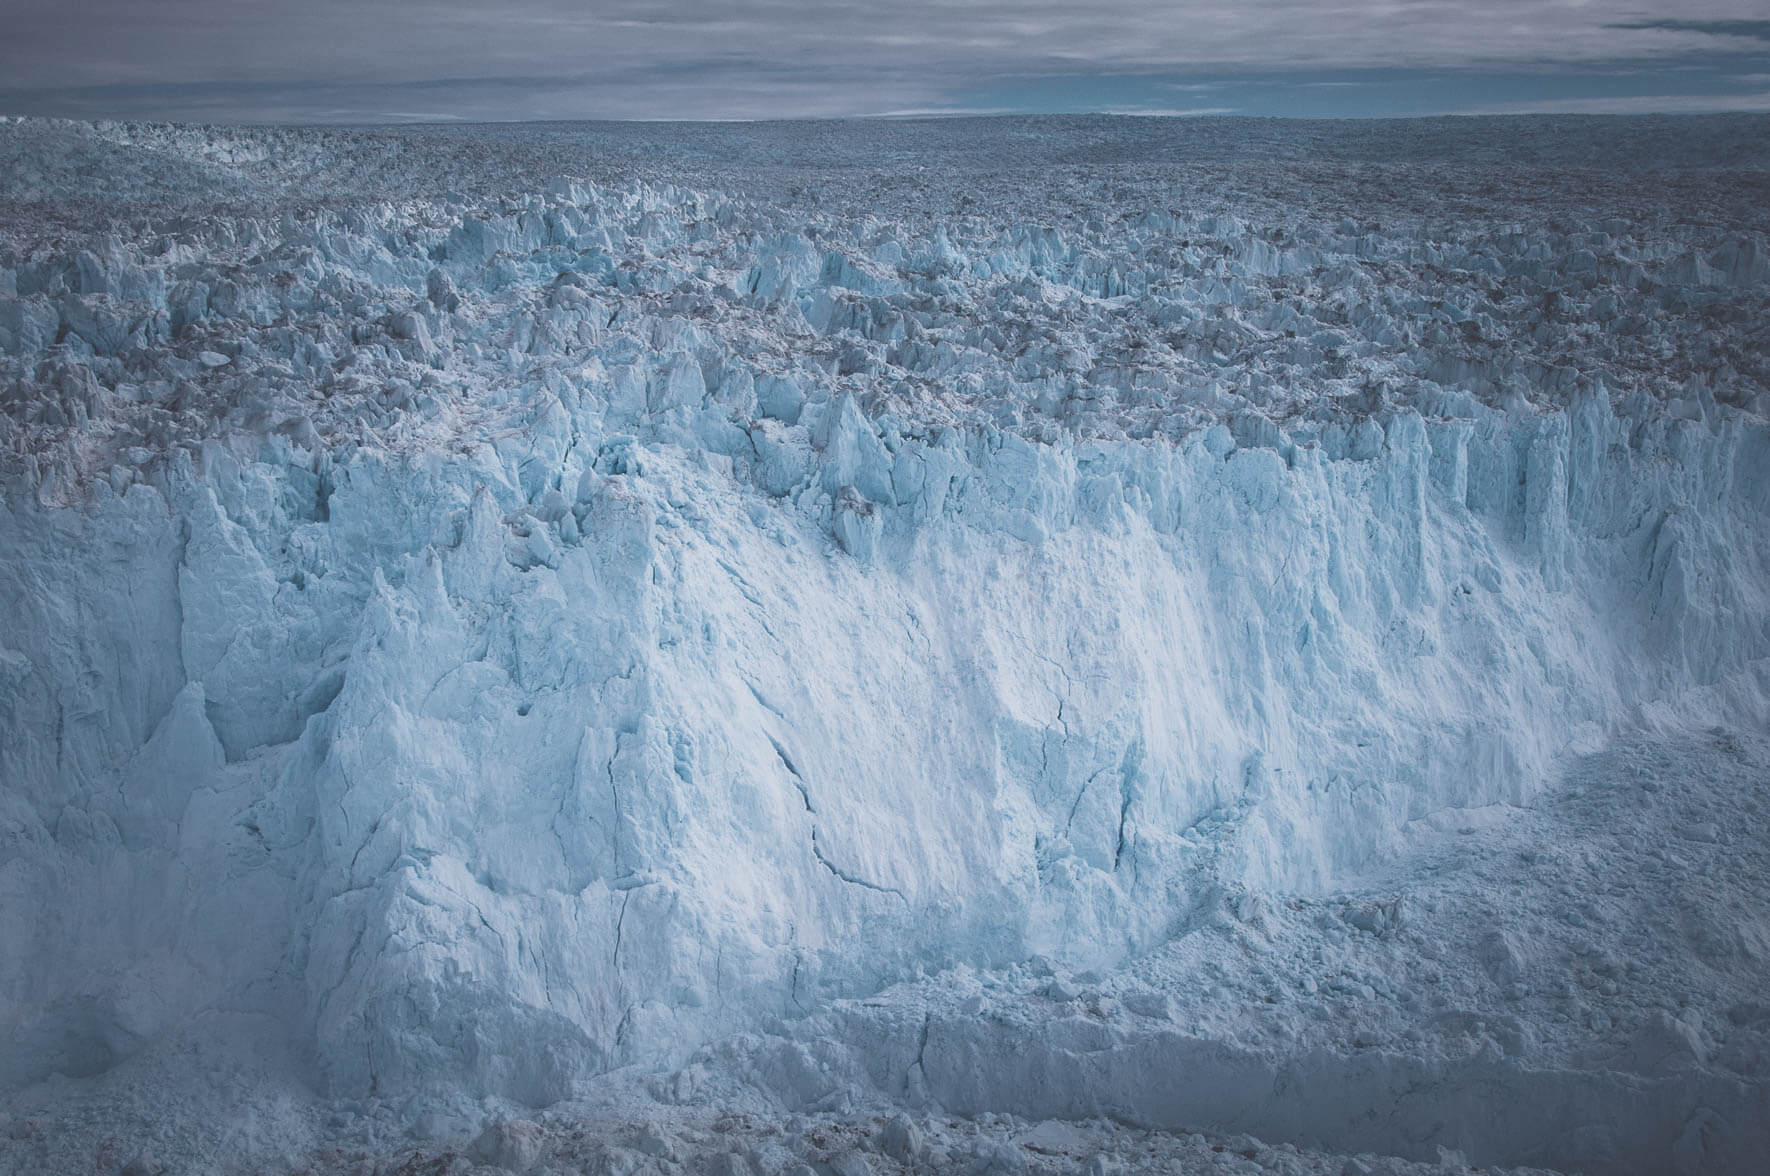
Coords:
pixel 566 645
pixel 621 778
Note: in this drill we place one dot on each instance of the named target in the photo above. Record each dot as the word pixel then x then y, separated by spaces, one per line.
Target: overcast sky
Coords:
pixel 372 60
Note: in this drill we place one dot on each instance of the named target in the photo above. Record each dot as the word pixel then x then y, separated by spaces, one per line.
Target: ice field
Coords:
pixel 1044 645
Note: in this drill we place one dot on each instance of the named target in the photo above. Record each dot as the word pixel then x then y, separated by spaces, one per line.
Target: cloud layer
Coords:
pixel 348 59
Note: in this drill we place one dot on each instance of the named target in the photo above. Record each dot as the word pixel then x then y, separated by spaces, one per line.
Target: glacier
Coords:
pixel 608 608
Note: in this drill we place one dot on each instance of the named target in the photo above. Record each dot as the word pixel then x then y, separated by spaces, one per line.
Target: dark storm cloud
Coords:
pixel 367 59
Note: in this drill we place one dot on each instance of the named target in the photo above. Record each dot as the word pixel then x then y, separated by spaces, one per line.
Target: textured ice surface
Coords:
pixel 492 607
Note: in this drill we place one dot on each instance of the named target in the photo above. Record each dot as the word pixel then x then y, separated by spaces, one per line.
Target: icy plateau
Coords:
pixel 1042 645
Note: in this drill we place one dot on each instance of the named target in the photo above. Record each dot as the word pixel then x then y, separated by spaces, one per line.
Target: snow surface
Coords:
pixel 974 646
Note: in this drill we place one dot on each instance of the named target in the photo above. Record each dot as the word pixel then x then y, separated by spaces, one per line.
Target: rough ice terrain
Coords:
pixel 1022 645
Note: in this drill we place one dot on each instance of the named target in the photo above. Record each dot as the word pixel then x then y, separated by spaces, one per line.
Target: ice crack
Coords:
pixel 817 850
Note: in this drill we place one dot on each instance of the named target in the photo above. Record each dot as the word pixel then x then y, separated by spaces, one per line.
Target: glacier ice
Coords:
pixel 472 642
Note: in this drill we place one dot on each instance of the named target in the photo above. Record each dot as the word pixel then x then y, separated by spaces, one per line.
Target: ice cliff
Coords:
pixel 482 642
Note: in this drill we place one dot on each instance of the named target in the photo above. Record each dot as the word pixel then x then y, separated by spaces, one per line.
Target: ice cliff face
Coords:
pixel 493 642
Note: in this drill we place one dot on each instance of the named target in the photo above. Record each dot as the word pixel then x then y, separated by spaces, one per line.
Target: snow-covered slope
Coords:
pixel 466 643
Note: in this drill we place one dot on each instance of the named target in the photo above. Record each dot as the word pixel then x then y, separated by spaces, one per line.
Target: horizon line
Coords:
pixel 394 120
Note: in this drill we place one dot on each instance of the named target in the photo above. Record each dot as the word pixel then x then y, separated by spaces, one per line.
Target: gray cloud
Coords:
pixel 274 59
pixel 1757 30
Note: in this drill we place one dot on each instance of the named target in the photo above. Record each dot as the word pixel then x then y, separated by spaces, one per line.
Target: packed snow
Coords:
pixel 1014 645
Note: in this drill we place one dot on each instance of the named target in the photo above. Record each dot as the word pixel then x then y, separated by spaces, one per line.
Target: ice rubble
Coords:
pixel 483 642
